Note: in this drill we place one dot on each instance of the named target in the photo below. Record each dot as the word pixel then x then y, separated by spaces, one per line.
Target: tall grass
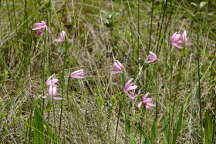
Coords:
pixel 95 109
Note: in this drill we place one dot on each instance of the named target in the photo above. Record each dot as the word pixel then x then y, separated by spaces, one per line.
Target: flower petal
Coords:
pixel 57 98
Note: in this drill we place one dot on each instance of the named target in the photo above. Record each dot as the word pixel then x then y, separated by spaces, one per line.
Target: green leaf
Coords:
pixel 178 126
pixel 145 138
pixel 38 127
pixel 165 130
pixel 208 129
pixel 154 132
pixel 128 126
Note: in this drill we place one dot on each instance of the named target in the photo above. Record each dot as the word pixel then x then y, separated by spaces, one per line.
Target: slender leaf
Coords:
pixel 178 126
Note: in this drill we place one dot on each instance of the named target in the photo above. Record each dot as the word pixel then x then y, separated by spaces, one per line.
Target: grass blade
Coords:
pixel 178 126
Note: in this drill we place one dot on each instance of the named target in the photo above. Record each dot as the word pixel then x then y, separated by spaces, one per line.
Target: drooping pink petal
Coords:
pixel 40 24
pixel 149 106
pixel 128 82
pixel 147 102
pixel 178 45
pixel 79 74
pixel 129 85
pixel 151 58
pixel 129 88
pixel 40 27
pixel 118 68
pixel 52 91
pixel 57 98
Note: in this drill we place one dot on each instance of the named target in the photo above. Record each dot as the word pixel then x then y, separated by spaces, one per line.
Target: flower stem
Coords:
pixel 117 123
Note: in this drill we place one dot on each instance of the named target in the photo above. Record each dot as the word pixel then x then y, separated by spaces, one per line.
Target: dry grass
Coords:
pixel 103 31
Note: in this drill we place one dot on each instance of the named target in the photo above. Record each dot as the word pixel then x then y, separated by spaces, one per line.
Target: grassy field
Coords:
pixel 96 108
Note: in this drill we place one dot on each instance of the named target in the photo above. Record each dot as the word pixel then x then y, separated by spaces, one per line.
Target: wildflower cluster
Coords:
pixel 130 87
pixel 40 27
pixel 178 40
pixel 51 83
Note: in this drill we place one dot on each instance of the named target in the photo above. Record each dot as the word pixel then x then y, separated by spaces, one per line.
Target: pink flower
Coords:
pixel 118 68
pixel 151 58
pixel 129 87
pixel 146 101
pixel 51 81
pixel 79 74
pixel 180 40
pixel 40 27
pixel 62 37
pixel 52 88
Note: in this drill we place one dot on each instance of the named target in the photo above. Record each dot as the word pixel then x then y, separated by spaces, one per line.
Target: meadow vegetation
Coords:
pixel 95 105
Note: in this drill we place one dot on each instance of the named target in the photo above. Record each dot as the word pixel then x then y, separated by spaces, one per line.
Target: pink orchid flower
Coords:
pixel 52 88
pixel 147 102
pixel 40 27
pixel 129 87
pixel 180 40
pixel 151 58
pixel 62 37
pixel 118 68
pixel 79 74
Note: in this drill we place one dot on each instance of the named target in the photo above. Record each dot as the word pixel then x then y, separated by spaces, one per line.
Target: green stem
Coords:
pixel 117 123
pixel 199 93
pixel 138 29
pixel 63 82
pixel 151 21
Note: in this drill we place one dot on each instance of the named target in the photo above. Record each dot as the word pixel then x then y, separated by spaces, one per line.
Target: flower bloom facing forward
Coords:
pixel 118 68
pixel 147 102
pixel 79 74
pixel 180 40
pixel 62 37
pixel 129 88
pixel 151 58
pixel 40 27
pixel 52 88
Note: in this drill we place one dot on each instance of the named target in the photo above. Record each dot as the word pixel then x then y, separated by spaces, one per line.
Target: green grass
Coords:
pixel 95 109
